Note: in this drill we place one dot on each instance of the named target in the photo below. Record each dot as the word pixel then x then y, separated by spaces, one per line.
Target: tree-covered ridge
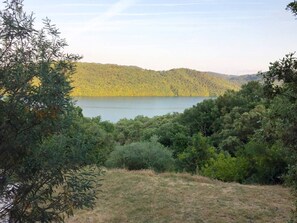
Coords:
pixel 239 79
pixel 93 79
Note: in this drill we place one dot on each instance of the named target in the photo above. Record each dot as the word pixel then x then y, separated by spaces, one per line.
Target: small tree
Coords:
pixel 43 166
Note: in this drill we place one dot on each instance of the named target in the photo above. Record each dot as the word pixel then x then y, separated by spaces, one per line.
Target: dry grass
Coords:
pixel 143 196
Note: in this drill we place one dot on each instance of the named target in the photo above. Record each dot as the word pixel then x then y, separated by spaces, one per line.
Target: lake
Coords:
pixel 115 108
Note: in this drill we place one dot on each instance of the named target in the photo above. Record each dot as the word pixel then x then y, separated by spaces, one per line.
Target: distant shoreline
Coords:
pixel 141 96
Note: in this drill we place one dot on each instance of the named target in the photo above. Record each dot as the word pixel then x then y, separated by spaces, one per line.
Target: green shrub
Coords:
pixel 196 155
pixel 226 168
pixel 141 155
pixel 267 163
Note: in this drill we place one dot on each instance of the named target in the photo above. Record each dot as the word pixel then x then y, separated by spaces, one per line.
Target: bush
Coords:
pixel 141 155
pixel 226 168
pixel 195 155
pixel 267 163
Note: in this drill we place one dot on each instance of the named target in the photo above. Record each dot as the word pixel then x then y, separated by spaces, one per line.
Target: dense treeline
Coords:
pixel 113 80
pixel 220 138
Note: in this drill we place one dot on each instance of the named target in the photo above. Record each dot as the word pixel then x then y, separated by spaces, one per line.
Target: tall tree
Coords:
pixel 41 177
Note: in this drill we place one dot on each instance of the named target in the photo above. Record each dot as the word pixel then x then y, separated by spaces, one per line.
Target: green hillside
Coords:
pixel 93 79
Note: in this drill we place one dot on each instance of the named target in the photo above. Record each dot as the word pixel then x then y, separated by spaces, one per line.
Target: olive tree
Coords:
pixel 43 173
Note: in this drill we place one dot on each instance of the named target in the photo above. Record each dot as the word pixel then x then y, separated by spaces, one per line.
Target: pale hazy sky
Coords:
pixel 226 36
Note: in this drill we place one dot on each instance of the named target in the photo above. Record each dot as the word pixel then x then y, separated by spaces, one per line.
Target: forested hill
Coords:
pixel 93 79
pixel 239 79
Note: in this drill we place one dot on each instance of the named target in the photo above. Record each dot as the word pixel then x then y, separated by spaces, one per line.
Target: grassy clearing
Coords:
pixel 143 196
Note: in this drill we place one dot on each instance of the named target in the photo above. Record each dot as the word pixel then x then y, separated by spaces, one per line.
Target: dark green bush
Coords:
pixel 267 163
pixel 141 155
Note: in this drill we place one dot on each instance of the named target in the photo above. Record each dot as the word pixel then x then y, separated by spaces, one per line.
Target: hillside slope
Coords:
pixel 93 79
pixel 143 196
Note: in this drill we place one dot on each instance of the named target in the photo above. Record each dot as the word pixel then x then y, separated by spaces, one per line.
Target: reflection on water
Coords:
pixel 116 108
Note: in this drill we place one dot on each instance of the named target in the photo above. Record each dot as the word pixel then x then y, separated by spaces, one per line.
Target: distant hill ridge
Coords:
pixel 93 79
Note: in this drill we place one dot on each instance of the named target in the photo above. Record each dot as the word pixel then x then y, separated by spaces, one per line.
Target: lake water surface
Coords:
pixel 115 108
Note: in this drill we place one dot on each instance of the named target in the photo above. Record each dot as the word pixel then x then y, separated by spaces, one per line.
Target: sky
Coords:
pixel 224 36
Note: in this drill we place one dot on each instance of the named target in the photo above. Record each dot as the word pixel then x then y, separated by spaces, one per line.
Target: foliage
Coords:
pixel 53 181
pixel 127 131
pixel 196 155
pixel 141 155
pixel 45 166
pixel 281 87
pixel 166 129
pixel 266 163
pixel 173 135
pixel 244 79
pixel 240 115
pixel 247 98
pixel 239 128
pixel 228 125
pixel 114 80
pixel 226 168
pixel 281 78
pixel 202 117
pixel 93 138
